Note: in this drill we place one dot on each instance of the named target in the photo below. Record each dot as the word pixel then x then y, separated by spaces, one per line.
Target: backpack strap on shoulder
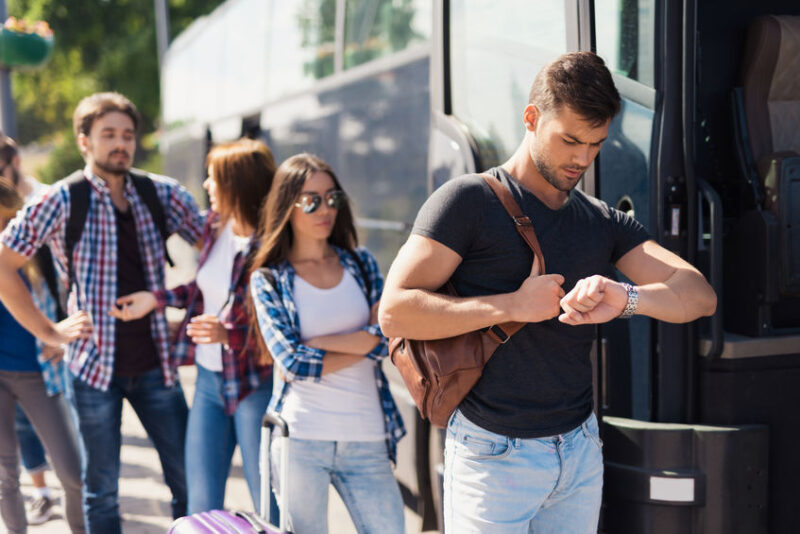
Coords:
pixel 79 192
pixel 44 262
pixel 147 191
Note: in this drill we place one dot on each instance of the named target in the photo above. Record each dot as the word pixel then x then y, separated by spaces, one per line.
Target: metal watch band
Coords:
pixel 633 302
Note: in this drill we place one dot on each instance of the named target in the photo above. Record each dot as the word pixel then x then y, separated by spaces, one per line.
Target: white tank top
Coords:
pixel 342 406
pixel 214 280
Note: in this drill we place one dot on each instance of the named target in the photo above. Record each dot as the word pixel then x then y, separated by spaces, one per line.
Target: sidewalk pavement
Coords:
pixel 144 498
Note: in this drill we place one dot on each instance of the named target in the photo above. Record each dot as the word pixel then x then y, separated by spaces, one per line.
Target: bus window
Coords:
pixel 302 44
pixel 624 35
pixel 376 28
pixel 495 54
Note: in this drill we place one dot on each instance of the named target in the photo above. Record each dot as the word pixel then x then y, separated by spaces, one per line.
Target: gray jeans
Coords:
pixel 50 419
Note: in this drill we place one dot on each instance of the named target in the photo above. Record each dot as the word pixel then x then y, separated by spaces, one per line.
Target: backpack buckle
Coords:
pixel 498 334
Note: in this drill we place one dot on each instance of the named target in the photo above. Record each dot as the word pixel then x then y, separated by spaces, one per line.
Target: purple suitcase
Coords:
pixel 225 522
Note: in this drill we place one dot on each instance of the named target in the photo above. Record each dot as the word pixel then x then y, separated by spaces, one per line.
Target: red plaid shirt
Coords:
pixel 240 372
pixel 43 221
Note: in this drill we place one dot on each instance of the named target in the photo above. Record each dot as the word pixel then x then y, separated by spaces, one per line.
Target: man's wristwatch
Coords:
pixel 633 302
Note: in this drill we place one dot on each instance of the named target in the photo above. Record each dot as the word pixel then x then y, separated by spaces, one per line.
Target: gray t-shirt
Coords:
pixel 540 382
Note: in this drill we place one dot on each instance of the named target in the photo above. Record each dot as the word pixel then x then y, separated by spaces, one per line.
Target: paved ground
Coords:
pixel 144 499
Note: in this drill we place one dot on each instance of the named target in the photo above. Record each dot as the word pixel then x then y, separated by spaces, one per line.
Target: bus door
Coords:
pixel 624 34
pixel 664 472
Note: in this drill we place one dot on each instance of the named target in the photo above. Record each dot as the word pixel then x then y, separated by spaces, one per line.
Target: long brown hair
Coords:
pixel 276 236
pixel 276 232
pixel 243 171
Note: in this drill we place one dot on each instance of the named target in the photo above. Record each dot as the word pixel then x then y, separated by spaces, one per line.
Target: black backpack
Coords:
pixel 44 262
pixel 79 190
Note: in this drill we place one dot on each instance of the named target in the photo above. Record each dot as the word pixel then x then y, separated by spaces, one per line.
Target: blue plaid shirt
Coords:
pixel 279 325
pixel 52 373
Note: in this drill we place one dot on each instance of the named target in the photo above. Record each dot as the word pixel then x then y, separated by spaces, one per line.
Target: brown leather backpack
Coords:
pixel 440 372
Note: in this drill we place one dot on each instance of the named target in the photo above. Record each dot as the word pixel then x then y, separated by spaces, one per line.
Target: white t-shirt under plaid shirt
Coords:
pixel 94 288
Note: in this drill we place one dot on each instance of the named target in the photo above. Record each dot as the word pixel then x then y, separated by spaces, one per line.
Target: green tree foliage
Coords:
pixel 101 45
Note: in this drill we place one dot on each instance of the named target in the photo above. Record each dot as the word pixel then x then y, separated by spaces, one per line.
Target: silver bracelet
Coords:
pixel 633 302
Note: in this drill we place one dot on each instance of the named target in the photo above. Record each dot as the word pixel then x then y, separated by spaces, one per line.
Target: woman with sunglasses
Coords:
pixel 233 383
pixel 315 295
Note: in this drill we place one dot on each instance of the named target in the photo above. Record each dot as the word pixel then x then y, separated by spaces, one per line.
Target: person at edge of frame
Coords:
pixel 120 251
pixel 48 296
pixel 28 379
pixel 522 451
pixel 233 386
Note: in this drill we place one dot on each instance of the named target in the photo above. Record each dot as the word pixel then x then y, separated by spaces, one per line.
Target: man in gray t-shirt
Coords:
pixel 522 451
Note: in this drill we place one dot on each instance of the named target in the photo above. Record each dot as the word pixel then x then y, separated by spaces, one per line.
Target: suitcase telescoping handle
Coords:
pixel 268 422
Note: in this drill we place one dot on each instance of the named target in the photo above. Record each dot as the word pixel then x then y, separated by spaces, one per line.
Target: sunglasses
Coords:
pixel 310 202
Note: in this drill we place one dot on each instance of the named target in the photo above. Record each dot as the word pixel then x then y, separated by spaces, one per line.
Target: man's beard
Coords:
pixel 549 173
pixel 115 168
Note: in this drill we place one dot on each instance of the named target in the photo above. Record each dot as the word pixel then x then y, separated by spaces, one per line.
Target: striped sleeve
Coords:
pixel 36 223
pixel 183 215
pixel 373 272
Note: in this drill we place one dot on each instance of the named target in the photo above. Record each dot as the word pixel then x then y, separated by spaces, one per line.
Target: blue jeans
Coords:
pixel 495 484
pixel 163 414
pixel 30 448
pixel 211 437
pixel 359 470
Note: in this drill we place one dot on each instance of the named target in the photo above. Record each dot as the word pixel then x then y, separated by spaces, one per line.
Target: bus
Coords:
pixel 699 421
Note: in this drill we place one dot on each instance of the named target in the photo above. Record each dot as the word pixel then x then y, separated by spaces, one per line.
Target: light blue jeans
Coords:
pixel 212 435
pixel 359 470
pixel 495 484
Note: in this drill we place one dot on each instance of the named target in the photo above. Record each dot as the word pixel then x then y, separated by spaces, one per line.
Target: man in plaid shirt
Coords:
pixel 120 251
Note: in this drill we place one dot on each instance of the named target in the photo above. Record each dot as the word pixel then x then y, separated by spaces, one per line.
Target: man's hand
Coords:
pixel 537 299
pixel 134 306
pixel 76 326
pixel 204 329
pixel 596 299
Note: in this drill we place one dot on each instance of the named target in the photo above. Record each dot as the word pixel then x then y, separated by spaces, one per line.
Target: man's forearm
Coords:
pixel 684 297
pixel 422 314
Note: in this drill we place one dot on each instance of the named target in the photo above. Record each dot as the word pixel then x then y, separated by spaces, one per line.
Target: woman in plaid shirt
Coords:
pixel 315 296
pixel 233 386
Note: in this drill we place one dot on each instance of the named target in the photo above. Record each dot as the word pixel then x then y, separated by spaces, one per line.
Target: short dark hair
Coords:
pixel 8 148
pixel 582 82
pixel 243 171
pixel 95 106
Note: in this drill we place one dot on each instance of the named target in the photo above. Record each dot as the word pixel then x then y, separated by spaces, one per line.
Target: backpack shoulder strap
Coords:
pixel 79 191
pixel 524 226
pixel 367 284
pixel 147 191
pixel 44 262
pixel 522 223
